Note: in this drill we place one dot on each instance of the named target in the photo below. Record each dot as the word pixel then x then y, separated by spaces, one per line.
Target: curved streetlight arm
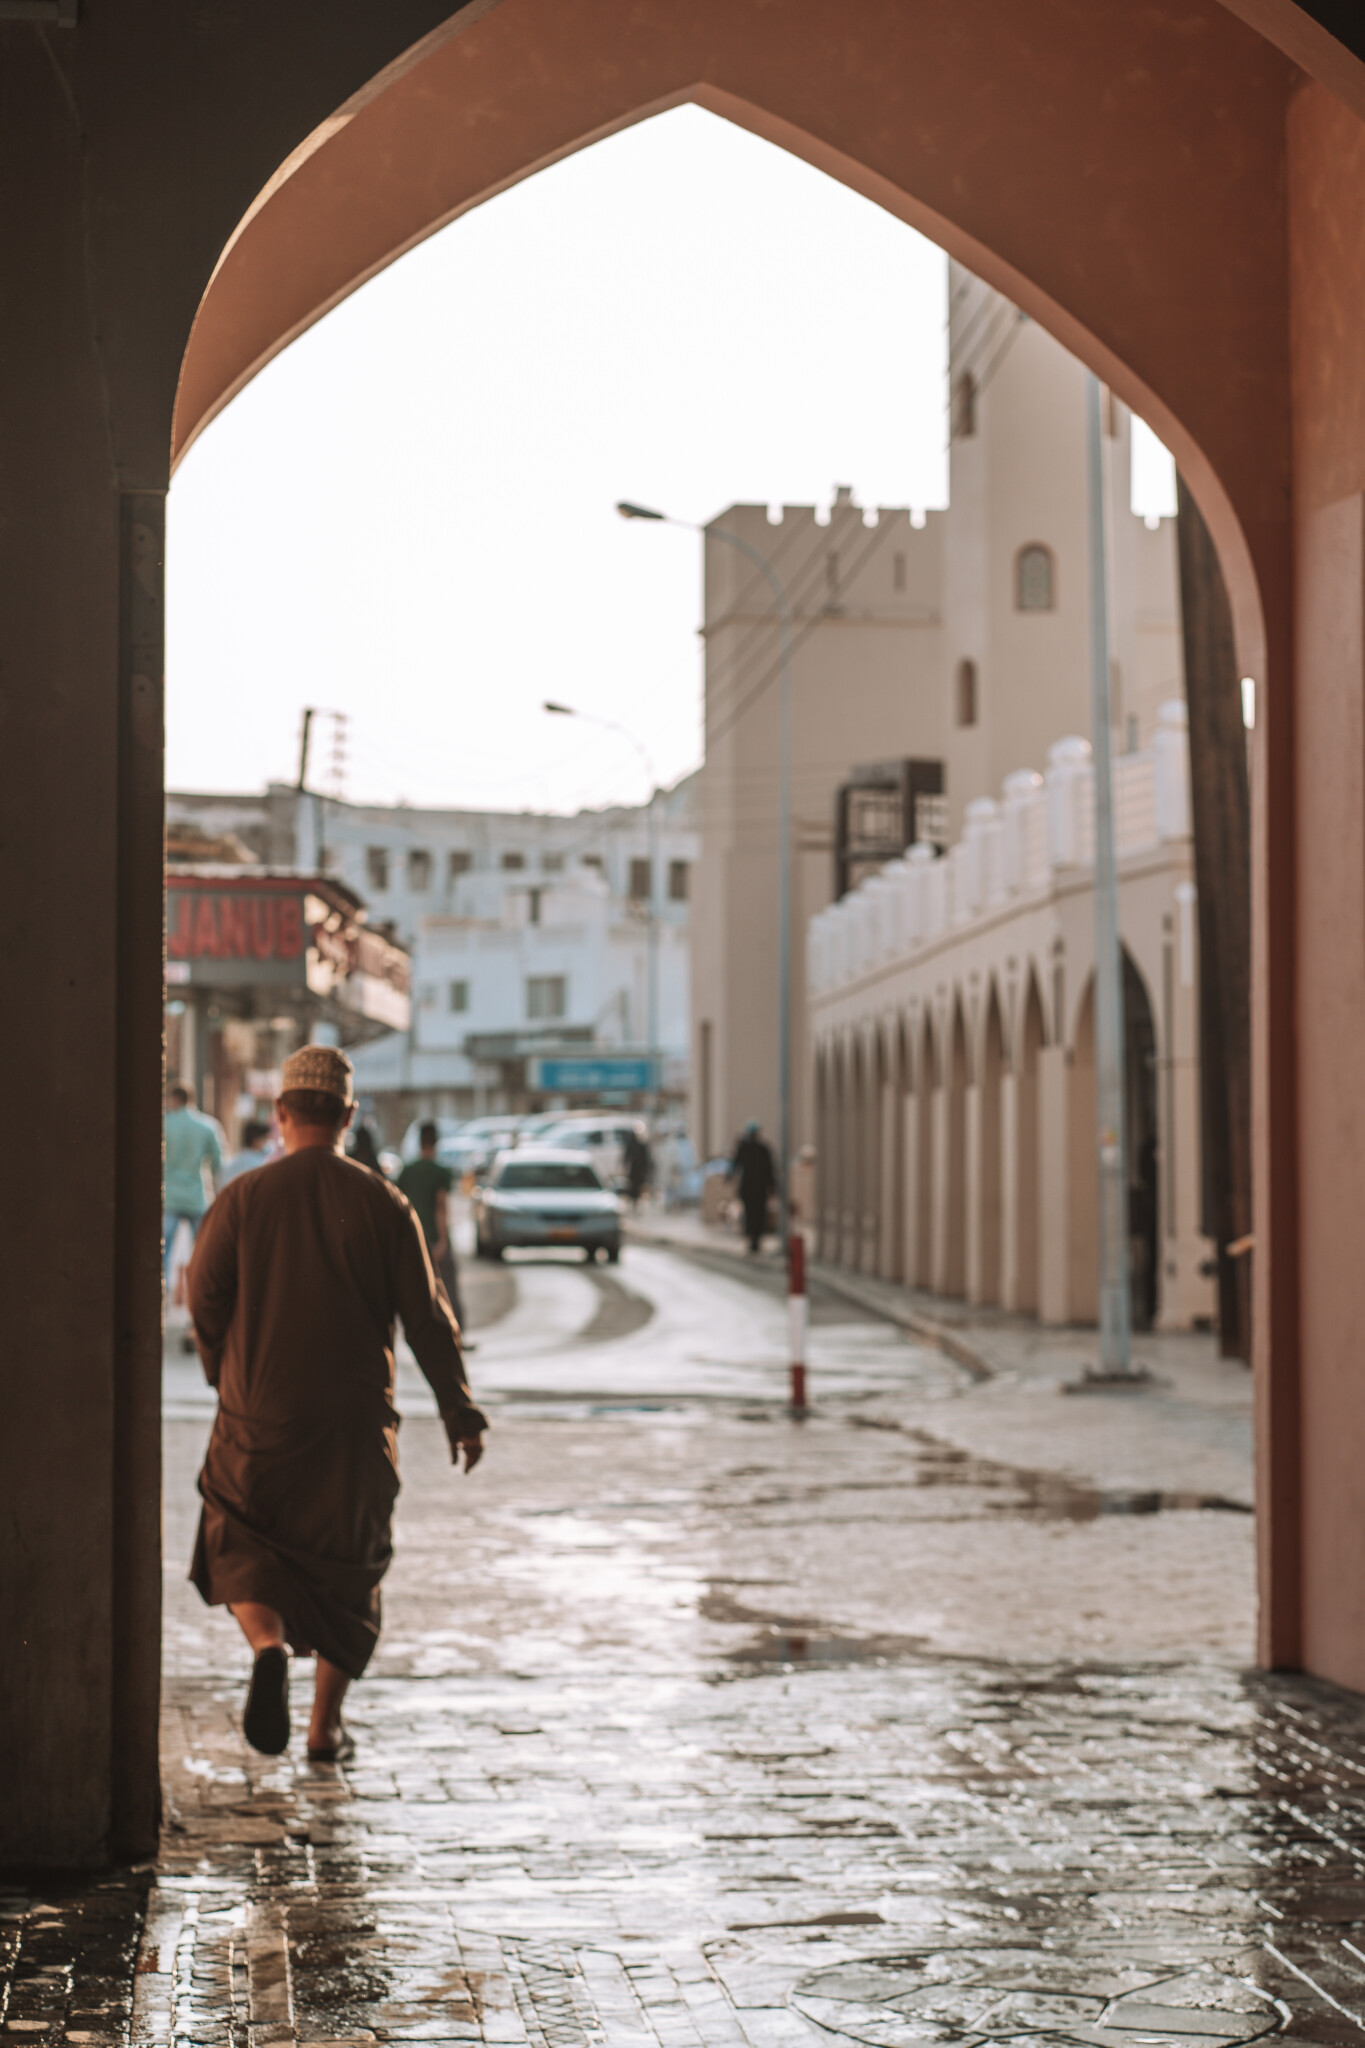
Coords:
pixel 608 725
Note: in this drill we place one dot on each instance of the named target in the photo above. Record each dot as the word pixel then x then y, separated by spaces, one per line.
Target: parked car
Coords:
pixel 603 1138
pixel 538 1195
pixel 466 1145
pixel 480 1141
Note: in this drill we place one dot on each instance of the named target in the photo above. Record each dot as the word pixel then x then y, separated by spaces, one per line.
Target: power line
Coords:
pixel 798 594
pixel 748 652
pixel 738 710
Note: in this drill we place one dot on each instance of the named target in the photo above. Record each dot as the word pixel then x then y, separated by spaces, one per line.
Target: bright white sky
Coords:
pixel 408 517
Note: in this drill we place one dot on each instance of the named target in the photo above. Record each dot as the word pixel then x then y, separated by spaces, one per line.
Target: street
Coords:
pixel 924 1719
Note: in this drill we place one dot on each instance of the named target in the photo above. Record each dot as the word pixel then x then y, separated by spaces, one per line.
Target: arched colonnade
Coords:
pixel 956 1142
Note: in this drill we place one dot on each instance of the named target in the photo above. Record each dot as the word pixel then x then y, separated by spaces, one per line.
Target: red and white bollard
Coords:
pixel 798 1319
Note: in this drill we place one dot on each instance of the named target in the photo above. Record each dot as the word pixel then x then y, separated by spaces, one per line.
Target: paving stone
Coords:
pixel 686 1731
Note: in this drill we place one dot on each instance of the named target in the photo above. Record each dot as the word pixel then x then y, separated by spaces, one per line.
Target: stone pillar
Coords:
pixel 910 1185
pixel 870 1178
pixel 1053 1191
pixel 938 1277
pixel 1009 1191
pixel 886 1222
pixel 974 1192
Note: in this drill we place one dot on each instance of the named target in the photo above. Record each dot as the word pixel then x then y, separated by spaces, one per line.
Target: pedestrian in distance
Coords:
pixel 428 1185
pixel 296 1279
pixel 193 1159
pixel 638 1164
pixel 755 1179
pixel 362 1148
pixel 255 1151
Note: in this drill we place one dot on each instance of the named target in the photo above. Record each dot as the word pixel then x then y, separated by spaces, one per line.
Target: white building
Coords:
pixel 530 933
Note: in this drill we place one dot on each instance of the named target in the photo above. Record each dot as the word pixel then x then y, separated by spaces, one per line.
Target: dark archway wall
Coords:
pixel 130 147
pixel 1125 173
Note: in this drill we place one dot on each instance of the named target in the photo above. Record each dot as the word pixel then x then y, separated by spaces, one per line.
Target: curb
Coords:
pixel 910 1320
pixel 850 1288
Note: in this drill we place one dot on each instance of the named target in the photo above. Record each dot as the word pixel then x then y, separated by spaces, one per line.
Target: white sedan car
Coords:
pixel 542 1195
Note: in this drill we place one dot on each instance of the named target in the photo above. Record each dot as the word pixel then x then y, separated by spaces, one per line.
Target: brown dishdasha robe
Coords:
pixel 297 1275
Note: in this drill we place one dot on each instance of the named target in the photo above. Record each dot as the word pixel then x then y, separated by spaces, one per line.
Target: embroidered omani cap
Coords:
pixel 320 1067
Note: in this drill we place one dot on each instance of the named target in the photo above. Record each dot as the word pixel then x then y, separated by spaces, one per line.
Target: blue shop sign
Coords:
pixel 629 1074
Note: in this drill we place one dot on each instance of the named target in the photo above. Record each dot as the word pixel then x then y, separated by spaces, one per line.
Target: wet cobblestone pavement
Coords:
pixel 694 1726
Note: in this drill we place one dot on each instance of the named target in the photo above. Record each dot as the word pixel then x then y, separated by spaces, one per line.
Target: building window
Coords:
pixel 641 881
pixel 593 860
pixel 964 694
pixel 419 868
pixel 459 996
pixel 898 572
pixel 679 880
pixel 533 897
pixel 512 861
pixel 426 998
pixel 545 997
pixel 964 407
pixel 377 867
pixel 458 863
pixel 1033 579
pixel 552 863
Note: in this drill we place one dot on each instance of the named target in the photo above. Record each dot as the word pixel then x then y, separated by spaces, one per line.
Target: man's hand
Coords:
pixel 472 1446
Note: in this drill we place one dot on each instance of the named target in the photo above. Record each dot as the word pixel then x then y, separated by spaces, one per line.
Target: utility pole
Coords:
pixel 1115 1366
pixel 652 849
pixel 1221 804
pixel 308 717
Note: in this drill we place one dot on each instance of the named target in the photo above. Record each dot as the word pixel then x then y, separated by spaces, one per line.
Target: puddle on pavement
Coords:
pixel 1030 1495
pixel 787 1641
pixel 827 1920
pixel 975 1997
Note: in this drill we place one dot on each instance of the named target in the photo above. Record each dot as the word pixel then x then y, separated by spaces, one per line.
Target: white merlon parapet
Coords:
pixel 1171 759
pixel 1023 837
pixel 1008 850
pixel 1070 802
pixel 918 862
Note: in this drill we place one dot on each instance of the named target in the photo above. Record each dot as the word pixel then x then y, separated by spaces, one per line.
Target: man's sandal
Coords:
pixel 265 1723
pixel 333 1752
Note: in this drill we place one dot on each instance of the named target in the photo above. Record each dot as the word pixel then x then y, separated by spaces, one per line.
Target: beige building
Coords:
pixel 951 1012
pixel 953 639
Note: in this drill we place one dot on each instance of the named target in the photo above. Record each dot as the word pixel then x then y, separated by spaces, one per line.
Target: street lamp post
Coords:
pixel 784 888
pixel 1115 1366
pixel 651 844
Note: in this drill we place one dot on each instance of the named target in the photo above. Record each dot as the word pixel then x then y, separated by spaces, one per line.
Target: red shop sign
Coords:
pixel 237 924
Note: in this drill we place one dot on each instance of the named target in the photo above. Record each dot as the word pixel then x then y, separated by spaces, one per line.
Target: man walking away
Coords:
pixel 428 1185
pixel 255 1151
pixel 756 1179
pixel 192 1152
pixel 638 1165
pixel 296 1279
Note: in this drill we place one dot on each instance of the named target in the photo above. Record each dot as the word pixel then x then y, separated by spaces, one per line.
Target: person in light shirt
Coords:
pixel 255 1151
pixel 194 1157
